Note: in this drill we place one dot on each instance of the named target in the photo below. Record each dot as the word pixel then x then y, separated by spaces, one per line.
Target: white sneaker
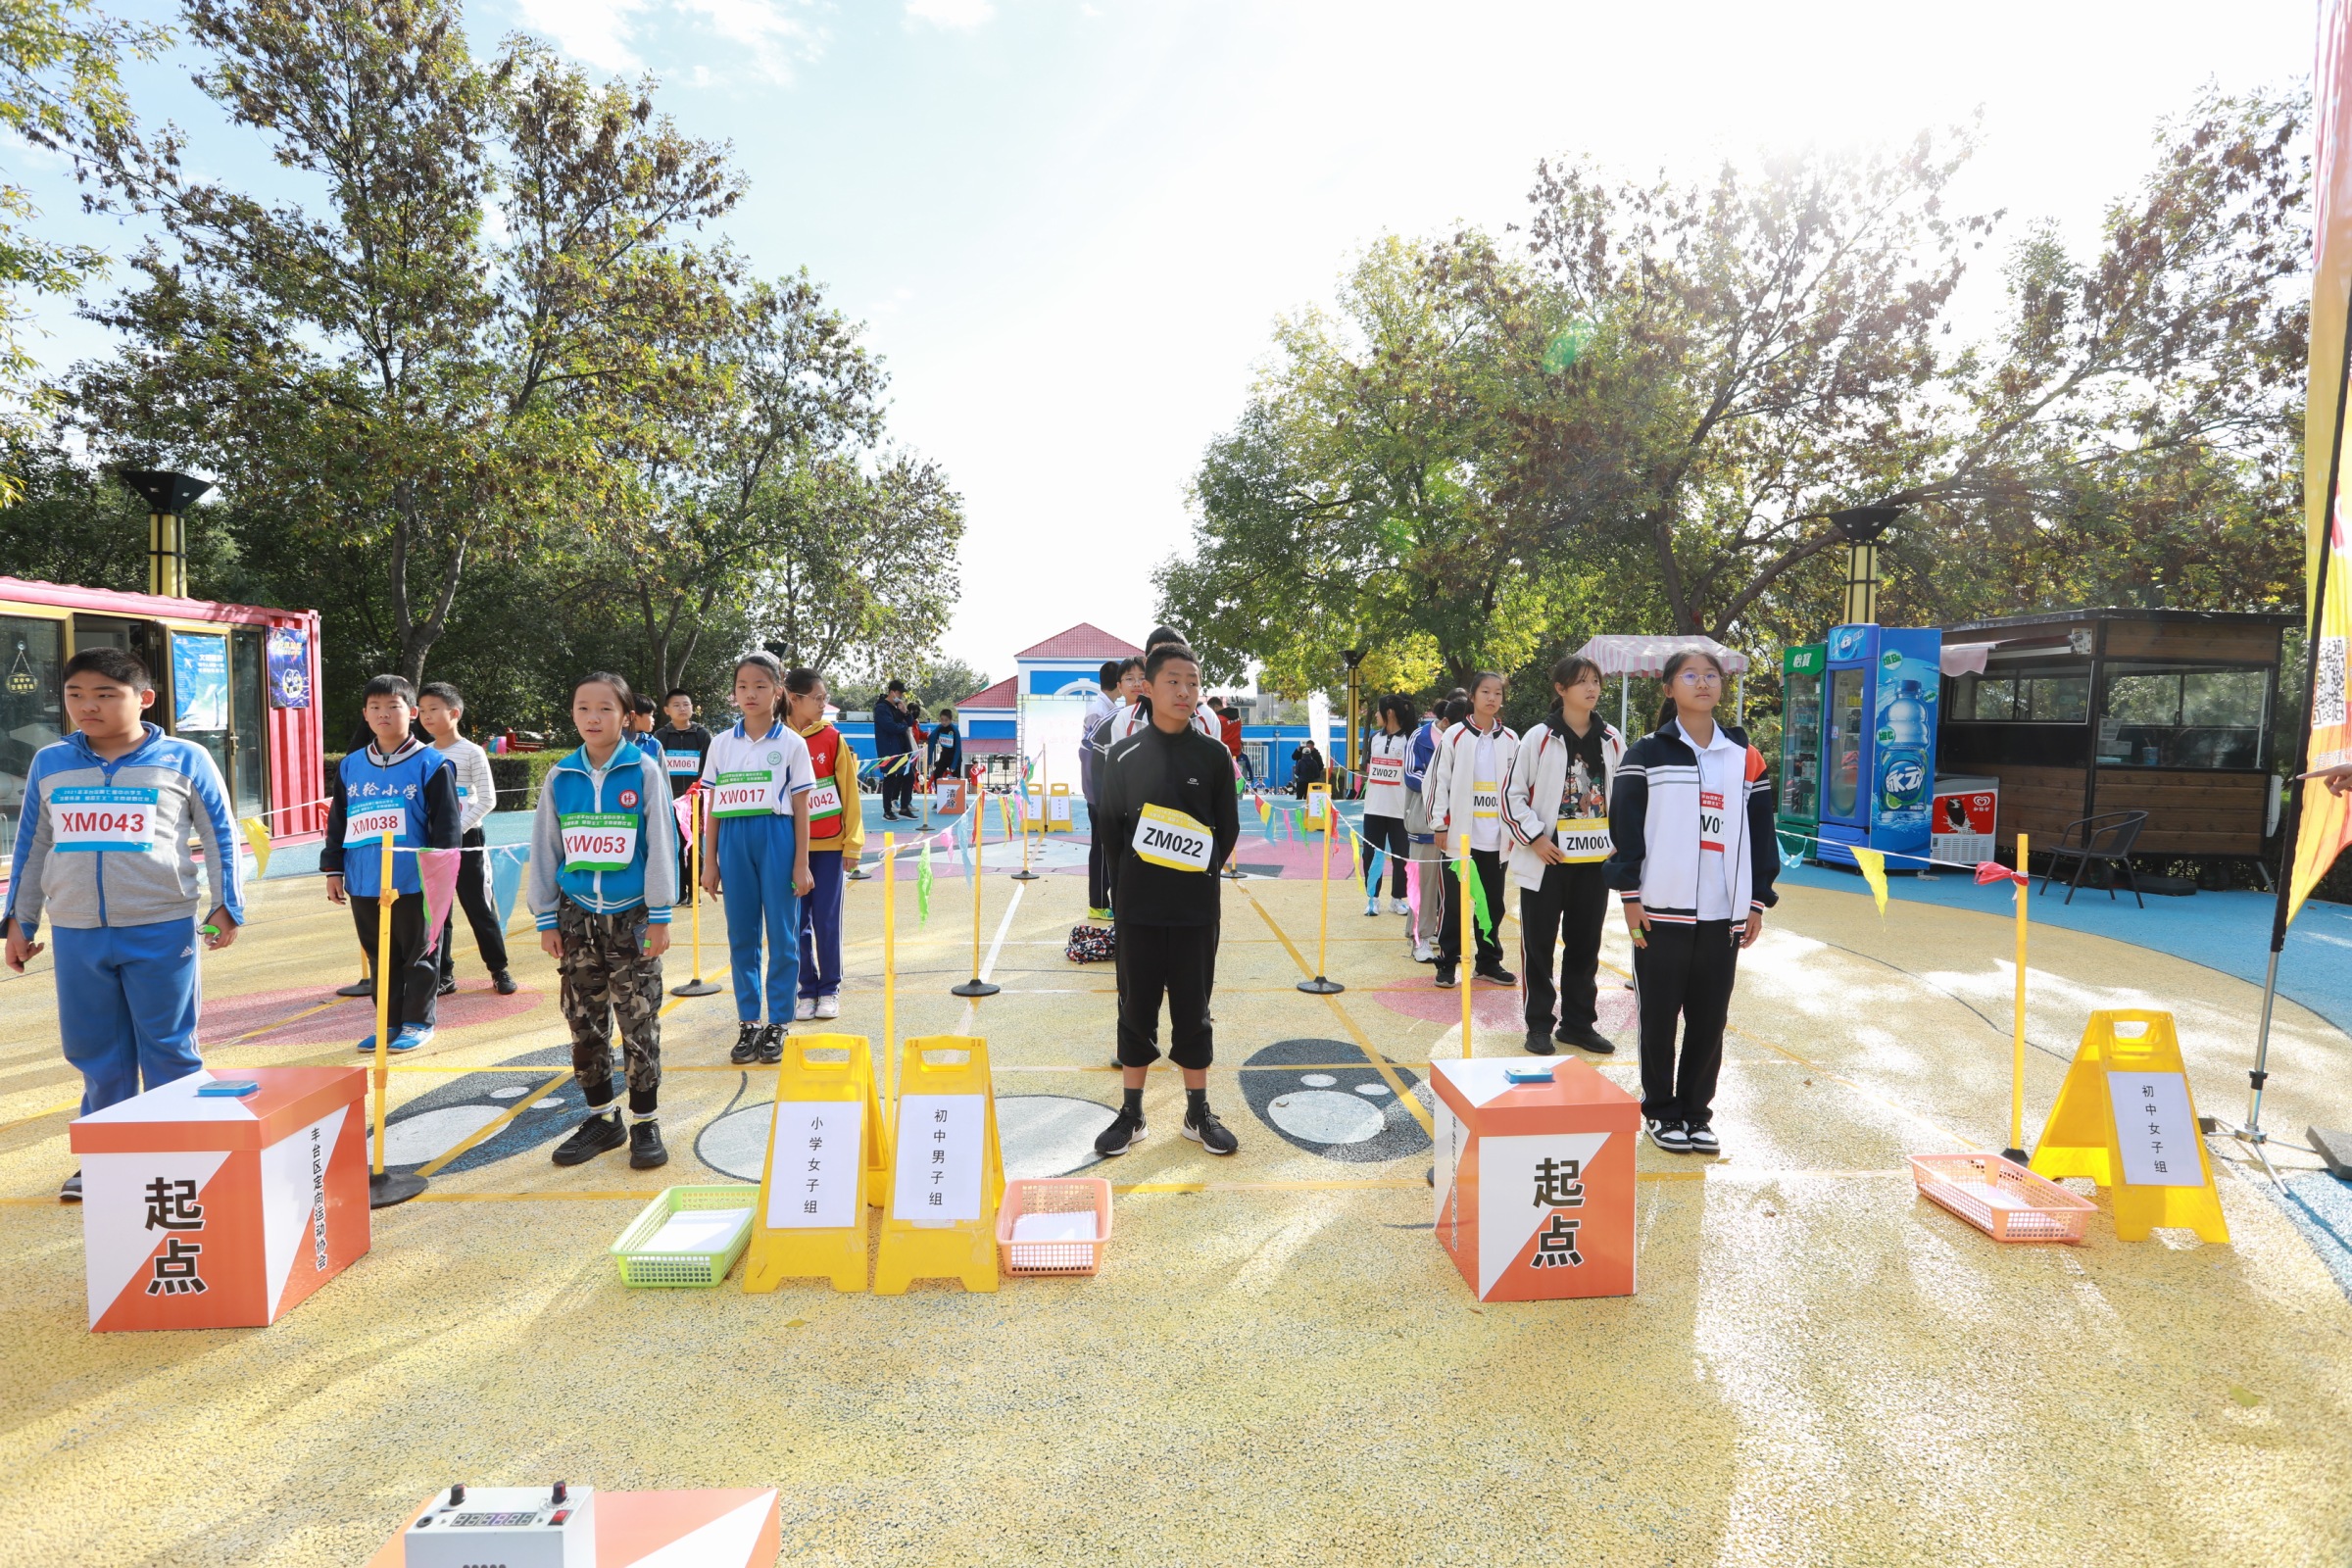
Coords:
pixel 1400 906
pixel 1423 952
pixel 828 1007
pixel 805 1011
pixel 1373 907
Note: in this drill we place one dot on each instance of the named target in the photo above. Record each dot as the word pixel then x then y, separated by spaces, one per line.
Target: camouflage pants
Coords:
pixel 607 973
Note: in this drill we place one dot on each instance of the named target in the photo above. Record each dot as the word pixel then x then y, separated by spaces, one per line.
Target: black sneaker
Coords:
pixel 361 987
pixel 503 982
pixel 448 987
pixel 747 1045
pixel 1584 1037
pixel 1495 974
pixel 600 1131
pixel 1446 979
pixel 1668 1135
pixel 1124 1133
pixel 645 1145
pixel 71 1193
pixel 1538 1044
pixel 1702 1140
pixel 771 1045
pixel 1210 1133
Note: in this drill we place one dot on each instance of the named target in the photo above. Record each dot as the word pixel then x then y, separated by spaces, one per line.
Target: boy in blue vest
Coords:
pixel 103 849
pixel 401 784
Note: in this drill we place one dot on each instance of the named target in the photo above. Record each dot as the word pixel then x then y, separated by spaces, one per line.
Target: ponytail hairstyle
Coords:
pixel 1567 670
pixel 759 659
pixel 1456 708
pixel 1398 707
pixel 801 680
pixel 1674 666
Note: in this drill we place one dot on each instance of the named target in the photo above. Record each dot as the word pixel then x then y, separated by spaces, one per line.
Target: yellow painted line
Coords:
pixel 53 1110
pixel 1379 1063
pixel 492 1129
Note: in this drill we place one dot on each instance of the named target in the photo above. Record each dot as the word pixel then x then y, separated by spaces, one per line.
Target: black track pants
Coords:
pixel 1178 962
pixel 1685 974
pixel 1486 866
pixel 1566 912
pixel 1386 833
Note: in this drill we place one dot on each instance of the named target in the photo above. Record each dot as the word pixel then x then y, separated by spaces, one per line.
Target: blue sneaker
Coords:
pixel 410 1037
pixel 367 1046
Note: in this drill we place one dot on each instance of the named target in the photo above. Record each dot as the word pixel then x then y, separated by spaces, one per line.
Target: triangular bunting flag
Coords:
pixel 437 870
pixel 506 862
pixel 922 882
pixel 1874 872
pixel 1478 898
pixel 257 834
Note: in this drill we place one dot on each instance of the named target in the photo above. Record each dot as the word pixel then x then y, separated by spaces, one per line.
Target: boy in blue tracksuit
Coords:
pixel 103 849
pixel 604 875
pixel 400 784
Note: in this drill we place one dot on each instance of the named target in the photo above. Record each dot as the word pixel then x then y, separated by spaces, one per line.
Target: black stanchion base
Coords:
pixel 975 986
pixel 2017 1157
pixel 695 987
pixel 859 873
pixel 393 1187
pixel 1320 987
pixel 1025 876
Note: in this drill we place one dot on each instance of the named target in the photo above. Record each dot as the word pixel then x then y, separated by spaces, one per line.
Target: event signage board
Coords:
pixel 1535 1181
pixel 2124 1118
pixel 289 660
pixel 823 1138
pixel 199 682
pixel 212 1212
pixel 949 1170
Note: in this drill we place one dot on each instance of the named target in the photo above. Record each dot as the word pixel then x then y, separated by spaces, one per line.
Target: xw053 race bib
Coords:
pixel 599 841
pixel 1169 838
pixel 92 818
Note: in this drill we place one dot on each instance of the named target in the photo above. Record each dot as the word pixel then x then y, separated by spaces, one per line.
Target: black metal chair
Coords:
pixel 2106 840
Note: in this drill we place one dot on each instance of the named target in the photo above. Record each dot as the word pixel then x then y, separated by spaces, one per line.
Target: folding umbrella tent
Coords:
pixel 1625 656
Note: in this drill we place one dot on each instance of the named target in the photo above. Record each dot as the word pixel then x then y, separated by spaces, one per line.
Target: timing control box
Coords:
pixel 505 1527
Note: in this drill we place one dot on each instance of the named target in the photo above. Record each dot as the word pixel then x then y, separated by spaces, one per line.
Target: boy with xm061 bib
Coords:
pixel 103 849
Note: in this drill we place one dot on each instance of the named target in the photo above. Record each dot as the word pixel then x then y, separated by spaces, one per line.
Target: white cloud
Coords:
pixel 774 38
pixel 961 15
pixel 770 38
pixel 593 31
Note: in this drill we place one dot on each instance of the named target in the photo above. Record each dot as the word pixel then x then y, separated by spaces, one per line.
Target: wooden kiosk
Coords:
pixel 2083 712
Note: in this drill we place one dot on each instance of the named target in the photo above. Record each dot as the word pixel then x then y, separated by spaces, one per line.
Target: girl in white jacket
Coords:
pixel 1385 764
pixel 1556 805
pixel 1465 810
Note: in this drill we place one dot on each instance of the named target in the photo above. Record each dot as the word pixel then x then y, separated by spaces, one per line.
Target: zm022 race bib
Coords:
pixel 91 819
pixel 599 841
pixel 1384 770
pixel 1486 799
pixel 1581 839
pixel 746 794
pixel 369 824
pixel 825 800
pixel 1169 838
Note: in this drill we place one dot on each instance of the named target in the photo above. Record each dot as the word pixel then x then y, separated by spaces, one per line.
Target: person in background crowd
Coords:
pixel 1465 810
pixel 945 748
pixel 641 726
pixel 1307 766
pixel 120 895
pixel 1100 706
pixel 603 858
pixel 1385 803
pixel 1429 913
pixel 684 742
pixel 758 780
pixel 1137 711
pixel 894 748
pixel 440 710
pixel 1561 775
pixel 836 833
pixel 1694 861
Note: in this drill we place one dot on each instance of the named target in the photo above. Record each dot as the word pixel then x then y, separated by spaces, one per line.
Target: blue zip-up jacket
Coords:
pixel 633 783
pixel 171 784
pixel 1424 751
pixel 890 728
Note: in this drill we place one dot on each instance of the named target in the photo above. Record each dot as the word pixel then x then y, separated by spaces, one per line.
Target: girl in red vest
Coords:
pixel 836 830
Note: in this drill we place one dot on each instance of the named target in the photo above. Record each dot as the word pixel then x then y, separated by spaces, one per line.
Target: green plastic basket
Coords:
pixel 693 1270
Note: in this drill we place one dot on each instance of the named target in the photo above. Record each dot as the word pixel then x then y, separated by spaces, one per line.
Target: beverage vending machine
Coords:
pixel 1869 737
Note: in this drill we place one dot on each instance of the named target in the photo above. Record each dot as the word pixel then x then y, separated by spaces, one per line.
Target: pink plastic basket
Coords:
pixel 1052 1194
pixel 2001 1198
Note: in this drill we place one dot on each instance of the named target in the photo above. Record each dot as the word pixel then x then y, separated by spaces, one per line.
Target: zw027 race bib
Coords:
pixel 1384 770
pixel 1486 801
pixel 89 819
pixel 369 824
pixel 1583 838
pixel 685 762
pixel 1710 822
pixel 1169 838
pixel 599 841
pixel 746 794
pixel 825 800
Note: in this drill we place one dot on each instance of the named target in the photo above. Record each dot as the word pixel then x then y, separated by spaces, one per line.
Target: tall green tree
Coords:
pixel 857 573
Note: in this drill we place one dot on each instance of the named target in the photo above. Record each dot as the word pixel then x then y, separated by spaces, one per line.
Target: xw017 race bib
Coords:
pixel 599 841
pixel 1169 838
pixel 1710 822
pixel 1581 839
pixel 93 818
pixel 746 794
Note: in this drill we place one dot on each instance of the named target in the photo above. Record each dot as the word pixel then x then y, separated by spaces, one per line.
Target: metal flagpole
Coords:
pixel 2016 1150
pixel 2251 1134
pixel 976 986
pixel 1322 984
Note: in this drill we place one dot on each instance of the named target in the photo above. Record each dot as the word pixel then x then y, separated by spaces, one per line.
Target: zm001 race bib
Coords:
pixel 1169 838
pixel 1581 839
pixel 746 794
pixel 825 800
pixel 1384 770
pixel 93 818
pixel 369 824
pixel 599 841
pixel 1486 801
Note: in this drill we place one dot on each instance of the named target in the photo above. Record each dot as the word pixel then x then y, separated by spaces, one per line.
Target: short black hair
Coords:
pixel 1131 661
pixel 1166 653
pixel 677 691
pixel 895 686
pixel 801 680
pixel 645 703
pixel 116 665
pixel 1161 637
pixel 445 691
pixel 1108 675
pixel 1217 702
pixel 389 686
pixel 947 713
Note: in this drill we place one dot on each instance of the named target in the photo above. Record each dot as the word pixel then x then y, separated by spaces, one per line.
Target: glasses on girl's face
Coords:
pixel 1700 677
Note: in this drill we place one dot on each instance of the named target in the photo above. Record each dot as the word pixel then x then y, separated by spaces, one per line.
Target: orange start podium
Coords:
pixel 205 1211
pixel 719 1528
pixel 1534 1180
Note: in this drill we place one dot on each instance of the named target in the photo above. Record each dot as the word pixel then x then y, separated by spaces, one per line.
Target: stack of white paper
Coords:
pixel 1078 1225
pixel 703 1230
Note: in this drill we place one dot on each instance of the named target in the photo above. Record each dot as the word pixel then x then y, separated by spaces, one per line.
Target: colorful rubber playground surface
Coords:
pixel 1277 1364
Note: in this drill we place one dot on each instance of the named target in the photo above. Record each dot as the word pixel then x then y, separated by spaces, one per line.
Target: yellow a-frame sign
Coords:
pixel 825 1145
pixel 2126 1120
pixel 948 1169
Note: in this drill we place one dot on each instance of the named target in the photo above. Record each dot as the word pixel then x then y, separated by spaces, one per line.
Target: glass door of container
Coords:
pixel 1844 795
pixel 32 710
pixel 200 694
pixel 1800 748
pixel 248 714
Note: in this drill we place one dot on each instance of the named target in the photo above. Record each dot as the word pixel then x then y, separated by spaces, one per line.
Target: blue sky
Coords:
pixel 1070 226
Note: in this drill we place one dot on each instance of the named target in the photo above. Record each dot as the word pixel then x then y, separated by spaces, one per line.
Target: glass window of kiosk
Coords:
pixel 2019 697
pixel 2168 715
pixel 33 708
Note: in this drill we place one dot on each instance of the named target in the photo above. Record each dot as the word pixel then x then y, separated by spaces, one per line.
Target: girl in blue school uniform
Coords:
pixel 758 775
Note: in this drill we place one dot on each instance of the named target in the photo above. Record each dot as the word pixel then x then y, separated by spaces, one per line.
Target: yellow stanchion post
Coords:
pixel 1322 984
pixel 385 1188
pixel 976 986
pixel 1463 873
pixel 696 986
pixel 890 980
pixel 1024 874
pixel 2017 1041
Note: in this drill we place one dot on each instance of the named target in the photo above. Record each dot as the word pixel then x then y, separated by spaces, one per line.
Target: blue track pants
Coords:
pixel 127 1007
pixel 820 924
pixel 754 878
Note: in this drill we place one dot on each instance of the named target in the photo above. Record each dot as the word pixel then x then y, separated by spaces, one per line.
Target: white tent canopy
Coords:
pixel 1647 656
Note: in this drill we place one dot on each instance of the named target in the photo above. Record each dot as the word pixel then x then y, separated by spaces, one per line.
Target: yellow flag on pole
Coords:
pixel 257 834
pixel 1874 872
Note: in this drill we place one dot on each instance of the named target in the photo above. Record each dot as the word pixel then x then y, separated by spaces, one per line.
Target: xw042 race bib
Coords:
pixel 92 818
pixel 825 800
pixel 1170 838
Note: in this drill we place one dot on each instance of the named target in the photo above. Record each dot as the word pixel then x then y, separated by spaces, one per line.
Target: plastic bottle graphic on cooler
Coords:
pixel 1904 761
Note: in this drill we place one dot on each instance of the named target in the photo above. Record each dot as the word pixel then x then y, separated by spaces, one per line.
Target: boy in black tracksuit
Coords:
pixel 1169 821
